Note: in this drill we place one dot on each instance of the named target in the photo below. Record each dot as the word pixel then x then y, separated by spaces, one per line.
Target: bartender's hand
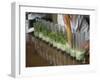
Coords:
pixel 86 46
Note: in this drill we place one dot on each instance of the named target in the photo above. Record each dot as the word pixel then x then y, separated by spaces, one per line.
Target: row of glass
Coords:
pixel 56 35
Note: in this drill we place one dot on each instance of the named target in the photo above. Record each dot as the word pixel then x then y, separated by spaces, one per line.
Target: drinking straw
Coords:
pixel 68 29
